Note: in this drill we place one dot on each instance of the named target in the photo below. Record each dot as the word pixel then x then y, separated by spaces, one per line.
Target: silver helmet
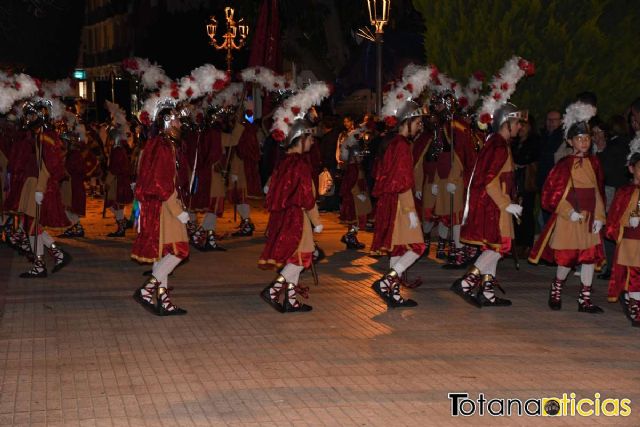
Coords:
pixel 506 112
pixel 299 128
pixel 408 110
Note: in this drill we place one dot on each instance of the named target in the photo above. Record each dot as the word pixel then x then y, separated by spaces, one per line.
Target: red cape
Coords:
pixel 120 166
pixel 77 168
pixel 613 231
pixel 290 192
pixel 394 175
pixel 248 150
pixel 483 221
pixel 155 185
pixel 554 190
pixel 52 212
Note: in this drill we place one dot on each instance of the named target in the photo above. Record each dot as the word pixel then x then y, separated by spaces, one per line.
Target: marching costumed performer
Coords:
pixel 291 201
pixel 41 200
pixel 77 168
pixel 574 192
pixel 118 181
pixel 454 156
pixel 397 225
pixel 490 205
pixel 162 238
pixel 356 203
pixel 623 227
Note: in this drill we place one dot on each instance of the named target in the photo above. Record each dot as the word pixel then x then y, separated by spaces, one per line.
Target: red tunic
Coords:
pixel 210 152
pixel 483 222
pixel 52 213
pixel 248 150
pixel 394 175
pixel 623 277
pixel 77 169
pixel 557 188
pixel 290 195
pixel 22 165
pixel 120 167
pixel 156 185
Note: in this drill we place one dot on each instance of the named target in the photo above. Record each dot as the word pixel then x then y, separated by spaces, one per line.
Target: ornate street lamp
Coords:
pixel 379 17
pixel 235 30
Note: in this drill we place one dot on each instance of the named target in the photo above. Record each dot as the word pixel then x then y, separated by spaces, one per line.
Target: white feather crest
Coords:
pixel 441 82
pixel 208 79
pixel 297 106
pixel 576 113
pixel 152 76
pixel 267 78
pixel 228 97
pixel 415 79
pixel 634 146
pixel 471 92
pixel 118 115
pixel 502 86
pixel 57 110
pixel 57 89
pixel 14 89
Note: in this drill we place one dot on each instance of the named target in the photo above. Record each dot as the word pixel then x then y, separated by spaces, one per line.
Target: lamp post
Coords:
pixel 234 29
pixel 379 16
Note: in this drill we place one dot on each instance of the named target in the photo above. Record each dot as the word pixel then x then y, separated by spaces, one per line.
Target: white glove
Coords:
pixel 133 186
pixel 265 189
pixel 434 189
pixel 451 187
pixel 362 197
pixel 183 217
pixel 575 216
pixel 318 228
pixel 414 222
pixel 39 197
pixel 634 221
pixel 597 226
pixel 419 195
pixel 515 210
pixel 234 178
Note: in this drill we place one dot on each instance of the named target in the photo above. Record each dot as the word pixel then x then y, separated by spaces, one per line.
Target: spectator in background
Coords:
pixel 550 140
pixel 328 146
pixel 526 151
pixel 614 154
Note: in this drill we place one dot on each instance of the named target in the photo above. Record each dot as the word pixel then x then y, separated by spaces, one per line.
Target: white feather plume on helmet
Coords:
pixel 576 118
pixel 634 147
pixel 296 107
pixel 503 85
pixel 415 79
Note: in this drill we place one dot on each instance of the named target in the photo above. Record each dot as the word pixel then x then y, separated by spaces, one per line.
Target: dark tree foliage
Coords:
pixel 576 45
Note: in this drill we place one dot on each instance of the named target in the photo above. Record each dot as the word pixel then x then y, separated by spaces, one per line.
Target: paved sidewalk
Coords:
pixel 75 349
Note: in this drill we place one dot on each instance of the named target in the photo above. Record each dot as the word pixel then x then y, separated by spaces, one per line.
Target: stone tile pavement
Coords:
pixel 76 350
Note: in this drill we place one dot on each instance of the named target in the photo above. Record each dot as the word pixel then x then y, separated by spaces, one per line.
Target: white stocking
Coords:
pixel 562 272
pixel 244 210
pixel 291 273
pixel 427 226
pixel 164 267
pixel 443 231
pixel 393 260
pixel 73 218
pixel 456 236
pixel 209 221
pixel 405 262
pixel 586 274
